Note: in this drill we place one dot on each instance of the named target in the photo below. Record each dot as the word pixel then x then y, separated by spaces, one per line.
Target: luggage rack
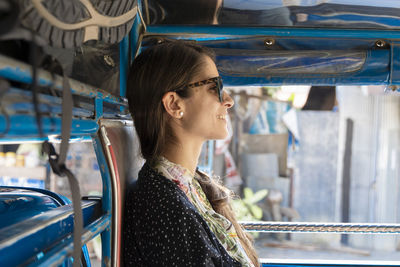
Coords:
pixel 47 238
pixel 93 104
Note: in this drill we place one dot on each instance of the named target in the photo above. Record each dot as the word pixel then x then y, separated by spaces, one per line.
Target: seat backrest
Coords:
pixel 126 161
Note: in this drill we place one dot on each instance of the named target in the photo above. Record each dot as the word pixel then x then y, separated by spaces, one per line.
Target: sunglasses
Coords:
pixel 216 80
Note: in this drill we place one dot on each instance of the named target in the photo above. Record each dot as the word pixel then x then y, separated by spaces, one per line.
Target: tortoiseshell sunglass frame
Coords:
pixel 217 80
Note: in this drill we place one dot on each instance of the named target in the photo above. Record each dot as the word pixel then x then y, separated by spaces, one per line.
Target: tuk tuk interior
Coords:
pixel 257 43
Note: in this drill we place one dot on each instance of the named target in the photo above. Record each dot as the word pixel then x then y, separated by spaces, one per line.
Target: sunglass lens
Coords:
pixel 220 89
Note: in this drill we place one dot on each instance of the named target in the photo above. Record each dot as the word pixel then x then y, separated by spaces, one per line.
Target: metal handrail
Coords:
pixel 301 227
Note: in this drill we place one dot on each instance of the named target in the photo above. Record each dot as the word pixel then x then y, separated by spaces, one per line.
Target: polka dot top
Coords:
pixel 222 228
pixel 162 227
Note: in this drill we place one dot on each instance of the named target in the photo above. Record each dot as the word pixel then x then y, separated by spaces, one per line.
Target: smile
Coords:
pixel 221 117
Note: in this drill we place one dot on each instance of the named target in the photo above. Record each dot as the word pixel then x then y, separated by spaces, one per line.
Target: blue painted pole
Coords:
pixel 106 236
pixel 123 65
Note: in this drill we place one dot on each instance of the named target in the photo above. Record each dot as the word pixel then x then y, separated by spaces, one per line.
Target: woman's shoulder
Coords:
pixel 155 199
pixel 151 181
pixel 152 190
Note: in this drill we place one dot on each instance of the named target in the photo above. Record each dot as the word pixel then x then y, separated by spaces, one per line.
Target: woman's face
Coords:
pixel 205 116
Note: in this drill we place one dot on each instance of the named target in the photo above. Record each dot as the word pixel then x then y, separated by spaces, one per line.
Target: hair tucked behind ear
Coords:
pixel 219 197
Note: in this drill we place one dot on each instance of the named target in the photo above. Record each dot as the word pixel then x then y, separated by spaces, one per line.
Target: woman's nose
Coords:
pixel 227 100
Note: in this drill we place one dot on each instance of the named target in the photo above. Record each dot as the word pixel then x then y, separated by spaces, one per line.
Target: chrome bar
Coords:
pixel 301 227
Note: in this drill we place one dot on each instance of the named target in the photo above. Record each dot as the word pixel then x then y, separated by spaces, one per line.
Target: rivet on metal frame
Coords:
pixel 380 43
pixel 269 42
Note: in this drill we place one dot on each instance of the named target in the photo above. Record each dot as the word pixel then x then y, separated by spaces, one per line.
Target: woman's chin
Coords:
pixel 221 136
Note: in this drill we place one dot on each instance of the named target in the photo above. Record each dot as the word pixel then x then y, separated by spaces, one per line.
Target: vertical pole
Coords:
pixel 106 235
pixel 124 59
pixel 346 177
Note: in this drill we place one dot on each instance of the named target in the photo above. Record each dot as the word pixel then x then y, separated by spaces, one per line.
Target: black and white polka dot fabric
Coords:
pixel 163 228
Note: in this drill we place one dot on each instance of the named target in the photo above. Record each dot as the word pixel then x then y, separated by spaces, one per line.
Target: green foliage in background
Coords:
pixel 246 209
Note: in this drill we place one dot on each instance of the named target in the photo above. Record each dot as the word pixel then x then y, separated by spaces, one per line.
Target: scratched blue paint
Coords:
pixel 98 106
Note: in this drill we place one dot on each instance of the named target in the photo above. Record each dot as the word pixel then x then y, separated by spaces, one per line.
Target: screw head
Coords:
pixel 269 42
pixel 380 43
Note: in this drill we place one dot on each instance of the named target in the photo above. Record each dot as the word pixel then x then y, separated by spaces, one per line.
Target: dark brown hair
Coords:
pixel 167 66
pixel 164 67
pixel 219 197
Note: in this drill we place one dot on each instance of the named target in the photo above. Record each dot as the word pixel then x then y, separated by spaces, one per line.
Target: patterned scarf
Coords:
pixel 219 225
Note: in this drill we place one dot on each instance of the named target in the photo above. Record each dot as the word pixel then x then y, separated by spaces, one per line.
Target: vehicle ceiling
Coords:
pixel 261 42
pixel 354 14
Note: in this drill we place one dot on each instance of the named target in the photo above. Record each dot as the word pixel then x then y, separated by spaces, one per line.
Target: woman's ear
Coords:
pixel 173 104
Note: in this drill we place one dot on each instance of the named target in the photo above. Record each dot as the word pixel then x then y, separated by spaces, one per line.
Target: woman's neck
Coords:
pixel 186 155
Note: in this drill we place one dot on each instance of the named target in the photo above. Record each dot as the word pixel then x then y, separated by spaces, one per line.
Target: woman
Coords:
pixel 174 214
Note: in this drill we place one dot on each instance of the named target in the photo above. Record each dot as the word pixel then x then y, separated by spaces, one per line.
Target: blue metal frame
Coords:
pixel 124 59
pixel 21 72
pixel 374 70
pixel 62 200
pixel 106 236
pixel 52 228
pixel 218 32
pixel 23 127
pixel 59 253
pixel 29 202
pixel 381 66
